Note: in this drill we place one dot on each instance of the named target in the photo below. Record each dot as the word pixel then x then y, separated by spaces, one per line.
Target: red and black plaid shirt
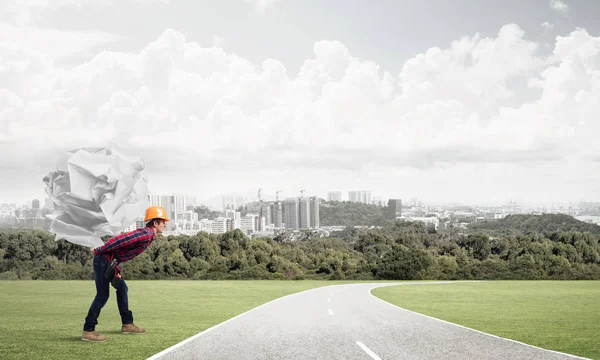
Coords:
pixel 128 245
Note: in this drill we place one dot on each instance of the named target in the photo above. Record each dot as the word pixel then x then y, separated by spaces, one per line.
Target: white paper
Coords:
pixel 96 192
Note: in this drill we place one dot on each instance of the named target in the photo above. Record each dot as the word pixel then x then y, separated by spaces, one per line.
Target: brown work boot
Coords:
pixel 92 336
pixel 132 329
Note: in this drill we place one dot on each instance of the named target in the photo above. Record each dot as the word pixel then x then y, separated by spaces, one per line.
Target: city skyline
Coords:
pixel 218 202
pixel 267 218
pixel 444 102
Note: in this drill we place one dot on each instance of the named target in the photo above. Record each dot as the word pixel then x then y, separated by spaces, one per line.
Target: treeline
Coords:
pixel 399 251
pixel 521 223
pixel 336 213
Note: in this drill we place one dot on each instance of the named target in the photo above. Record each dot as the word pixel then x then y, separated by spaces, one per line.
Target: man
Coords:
pixel 123 247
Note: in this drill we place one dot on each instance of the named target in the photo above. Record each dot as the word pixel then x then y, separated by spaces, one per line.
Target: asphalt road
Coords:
pixel 345 322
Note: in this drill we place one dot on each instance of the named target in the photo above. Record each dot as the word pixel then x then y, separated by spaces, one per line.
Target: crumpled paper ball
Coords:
pixel 96 192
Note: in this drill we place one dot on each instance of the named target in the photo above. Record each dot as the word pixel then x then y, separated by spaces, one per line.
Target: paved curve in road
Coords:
pixel 346 322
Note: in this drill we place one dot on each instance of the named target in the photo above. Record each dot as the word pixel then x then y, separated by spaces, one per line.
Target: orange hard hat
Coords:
pixel 156 212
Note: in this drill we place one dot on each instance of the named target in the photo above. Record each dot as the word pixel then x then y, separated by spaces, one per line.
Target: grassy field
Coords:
pixel 558 315
pixel 44 319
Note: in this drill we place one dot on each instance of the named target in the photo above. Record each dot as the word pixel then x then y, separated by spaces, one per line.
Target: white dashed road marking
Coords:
pixel 368 351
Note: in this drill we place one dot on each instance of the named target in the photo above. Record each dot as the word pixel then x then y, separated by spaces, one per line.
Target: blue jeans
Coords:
pixel 102 294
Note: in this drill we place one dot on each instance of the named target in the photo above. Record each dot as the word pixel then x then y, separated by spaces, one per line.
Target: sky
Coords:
pixel 439 100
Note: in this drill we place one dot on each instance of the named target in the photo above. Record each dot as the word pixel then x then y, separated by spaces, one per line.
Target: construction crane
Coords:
pixel 277 195
pixel 302 193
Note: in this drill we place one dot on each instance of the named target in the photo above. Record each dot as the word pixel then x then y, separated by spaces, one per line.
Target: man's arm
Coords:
pixel 118 242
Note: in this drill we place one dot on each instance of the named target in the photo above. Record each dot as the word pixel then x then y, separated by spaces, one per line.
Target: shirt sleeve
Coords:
pixel 119 242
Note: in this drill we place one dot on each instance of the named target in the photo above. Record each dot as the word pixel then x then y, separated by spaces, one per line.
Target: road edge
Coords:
pixel 462 326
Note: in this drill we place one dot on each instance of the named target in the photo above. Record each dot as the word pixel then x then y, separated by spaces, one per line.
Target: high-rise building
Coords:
pixel 334 196
pixel 277 214
pixel 168 203
pixel 154 199
pixel 394 208
pixel 253 208
pixel 291 213
pixel 266 214
pixel 361 196
pixel 35 204
pixel 235 217
pixel 304 213
pixel 179 203
pixel 314 212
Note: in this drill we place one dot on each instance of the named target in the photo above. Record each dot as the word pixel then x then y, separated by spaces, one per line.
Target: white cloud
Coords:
pixel 547 26
pixel 558 5
pixel 203 114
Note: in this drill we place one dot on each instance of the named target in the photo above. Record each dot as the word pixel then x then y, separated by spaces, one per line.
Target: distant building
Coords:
pixel 221 225
pixel 304 213
pixel 154 199
pixel 301 213
pixel 314 212
pixel 267 216
pixel 277 214
pixel 394 208
pixel 251 223
pixel 168 203
pixel 334 196
pixel 35 204
pixel 361 196
pixel 291 211
pixel 179 205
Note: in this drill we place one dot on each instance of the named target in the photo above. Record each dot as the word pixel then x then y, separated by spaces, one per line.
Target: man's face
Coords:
pixel 160 227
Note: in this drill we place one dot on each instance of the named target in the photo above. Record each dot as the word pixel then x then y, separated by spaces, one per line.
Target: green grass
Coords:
pixel 557 315
pixel 44 319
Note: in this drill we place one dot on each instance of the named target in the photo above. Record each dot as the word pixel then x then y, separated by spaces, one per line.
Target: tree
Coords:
pixel 402 263
pixel 478 245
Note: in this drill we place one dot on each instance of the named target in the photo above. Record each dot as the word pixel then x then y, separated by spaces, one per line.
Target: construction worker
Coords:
pixel 118 249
